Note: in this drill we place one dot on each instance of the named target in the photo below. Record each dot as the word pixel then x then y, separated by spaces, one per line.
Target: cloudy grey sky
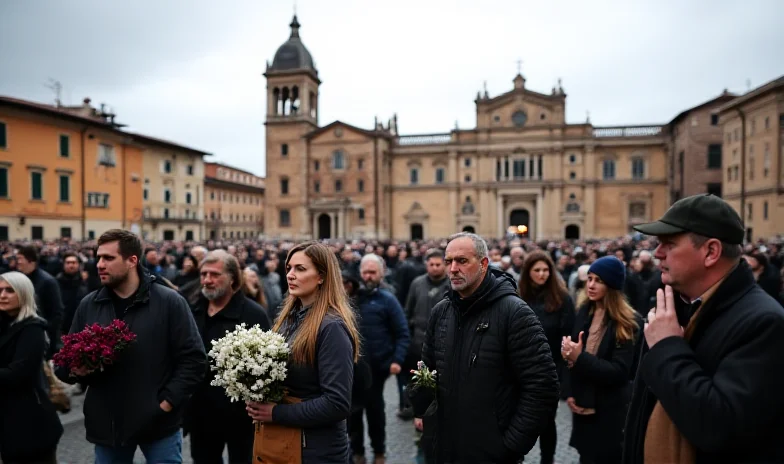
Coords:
pixel 191 72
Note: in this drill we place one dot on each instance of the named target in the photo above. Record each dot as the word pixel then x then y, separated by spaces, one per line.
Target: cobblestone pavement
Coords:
pixel 74 449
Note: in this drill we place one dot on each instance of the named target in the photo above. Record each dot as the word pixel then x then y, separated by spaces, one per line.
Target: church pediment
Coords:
pixel 416 212
pixel 520 107
pixel 339 131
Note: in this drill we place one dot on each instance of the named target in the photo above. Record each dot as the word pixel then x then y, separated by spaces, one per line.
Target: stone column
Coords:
pixel 315 225
pixel 452 179
pixel 500 215
pixel 539 217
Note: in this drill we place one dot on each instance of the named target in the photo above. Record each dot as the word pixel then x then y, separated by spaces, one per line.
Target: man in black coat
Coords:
pixel 497 382
pixel 47 295
pixel 72 289
pixel 708 388
pixel 139 400
pixel 213 421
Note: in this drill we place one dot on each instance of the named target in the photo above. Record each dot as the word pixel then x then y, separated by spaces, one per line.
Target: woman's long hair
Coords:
pixel 25 291
pixel 618 309
pixel 330 299
pixel 553 290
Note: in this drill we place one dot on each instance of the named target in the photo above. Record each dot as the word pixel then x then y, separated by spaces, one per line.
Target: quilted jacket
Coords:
pixel 497 382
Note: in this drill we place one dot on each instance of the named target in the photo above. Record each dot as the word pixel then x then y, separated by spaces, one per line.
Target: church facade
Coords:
pixel 523 169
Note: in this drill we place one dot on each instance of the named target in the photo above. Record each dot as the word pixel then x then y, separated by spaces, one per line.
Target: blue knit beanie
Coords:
pixel 611 270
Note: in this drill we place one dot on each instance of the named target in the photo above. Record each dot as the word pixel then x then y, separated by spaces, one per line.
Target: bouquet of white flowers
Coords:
pixel 250 364
pixel 422 390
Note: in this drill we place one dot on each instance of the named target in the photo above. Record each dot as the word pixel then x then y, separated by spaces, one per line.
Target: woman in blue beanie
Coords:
pixel 600 354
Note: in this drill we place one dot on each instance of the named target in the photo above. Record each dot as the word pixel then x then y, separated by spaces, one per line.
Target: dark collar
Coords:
pixel 737 284
pixel 232 310
pixel 15 328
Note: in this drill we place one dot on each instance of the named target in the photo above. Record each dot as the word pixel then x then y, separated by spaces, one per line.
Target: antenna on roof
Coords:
pixel 57 88
pixel 748 85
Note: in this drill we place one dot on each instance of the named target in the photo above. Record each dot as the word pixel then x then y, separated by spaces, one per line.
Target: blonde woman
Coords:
pixel 29 426
pixel 600 355
pixel 319 326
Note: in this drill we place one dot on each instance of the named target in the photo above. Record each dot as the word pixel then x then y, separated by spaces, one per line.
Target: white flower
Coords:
pixel 250 364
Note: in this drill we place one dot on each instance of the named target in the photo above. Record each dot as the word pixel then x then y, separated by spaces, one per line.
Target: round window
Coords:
pixel 519 118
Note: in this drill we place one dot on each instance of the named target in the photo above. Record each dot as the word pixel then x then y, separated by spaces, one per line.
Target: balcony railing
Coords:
pixel 430 139
pixel 629 131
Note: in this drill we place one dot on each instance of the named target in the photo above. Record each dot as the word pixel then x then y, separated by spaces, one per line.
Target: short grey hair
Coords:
pixel 480 245
pixel 375 258
pixel 25 291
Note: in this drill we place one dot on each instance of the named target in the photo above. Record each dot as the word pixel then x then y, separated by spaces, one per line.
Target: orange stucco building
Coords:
pixel 66 172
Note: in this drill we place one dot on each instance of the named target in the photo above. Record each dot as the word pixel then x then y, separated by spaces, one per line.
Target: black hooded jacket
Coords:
pixel 497 382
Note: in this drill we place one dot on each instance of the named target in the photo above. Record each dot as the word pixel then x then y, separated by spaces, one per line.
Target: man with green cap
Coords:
pixel 708 386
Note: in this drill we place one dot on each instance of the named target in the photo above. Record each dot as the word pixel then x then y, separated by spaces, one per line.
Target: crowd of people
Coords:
pixel 662 344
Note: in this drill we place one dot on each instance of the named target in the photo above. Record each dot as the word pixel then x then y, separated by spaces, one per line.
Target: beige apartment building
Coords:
pixel 173 191
pixel 233 205
pixel 695 150
pixel 753 158
pixel 522 168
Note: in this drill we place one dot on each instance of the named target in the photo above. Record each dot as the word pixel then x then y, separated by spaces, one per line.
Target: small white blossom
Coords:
pixel 250 364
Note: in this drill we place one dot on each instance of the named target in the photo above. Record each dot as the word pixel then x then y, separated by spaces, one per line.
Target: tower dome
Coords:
pixel 293 55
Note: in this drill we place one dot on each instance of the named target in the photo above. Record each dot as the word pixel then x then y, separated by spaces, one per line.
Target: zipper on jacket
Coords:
pixel 304 440
pixel 37 397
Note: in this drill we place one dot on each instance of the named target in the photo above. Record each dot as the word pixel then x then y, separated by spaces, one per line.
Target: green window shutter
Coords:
pixel 65 146
pixel 37 181
pixel 3 182
pixel 65 191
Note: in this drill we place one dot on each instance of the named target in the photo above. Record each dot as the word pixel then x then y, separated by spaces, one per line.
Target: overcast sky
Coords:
pixel 193 75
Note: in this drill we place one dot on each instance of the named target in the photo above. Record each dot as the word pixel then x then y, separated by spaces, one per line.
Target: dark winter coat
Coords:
pixel 210 403
pixel 556 325
pixel 407 271
pixel 50 306
pixel 497 383
pixel 601 382
pixel 721 388
pixel 325 391
pixel 29 425
pixel 384 329
pixel 72 290
pixel 424 294
pixel 166 362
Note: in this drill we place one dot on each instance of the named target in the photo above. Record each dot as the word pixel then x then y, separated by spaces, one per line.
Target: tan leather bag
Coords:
pixel 278 444
pixel 57 394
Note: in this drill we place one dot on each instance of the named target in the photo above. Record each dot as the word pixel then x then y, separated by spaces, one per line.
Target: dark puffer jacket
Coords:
pixel 497 383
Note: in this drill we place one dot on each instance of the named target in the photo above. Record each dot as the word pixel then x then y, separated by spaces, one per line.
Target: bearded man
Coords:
pixel 139 400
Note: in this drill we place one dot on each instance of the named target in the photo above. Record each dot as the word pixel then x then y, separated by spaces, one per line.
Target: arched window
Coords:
pixel 338 160
pixel 608 169
pixel 638 168
pixel 276 99
pixel 295 102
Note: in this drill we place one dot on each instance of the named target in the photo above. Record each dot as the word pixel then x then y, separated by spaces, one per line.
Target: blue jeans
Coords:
pixel 164 451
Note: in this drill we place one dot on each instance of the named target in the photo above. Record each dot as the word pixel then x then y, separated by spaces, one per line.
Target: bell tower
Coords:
pixel 292 82
pixel 292 112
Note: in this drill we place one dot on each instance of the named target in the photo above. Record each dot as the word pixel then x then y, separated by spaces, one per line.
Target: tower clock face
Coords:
pixel 519 118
